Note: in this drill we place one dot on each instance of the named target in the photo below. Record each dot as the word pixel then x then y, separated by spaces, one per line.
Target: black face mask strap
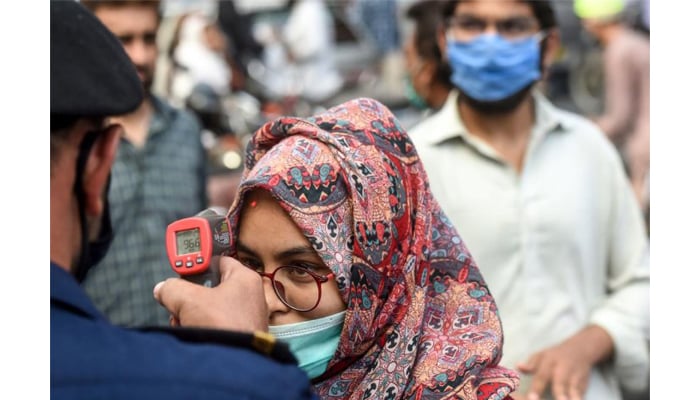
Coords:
pixel 85 146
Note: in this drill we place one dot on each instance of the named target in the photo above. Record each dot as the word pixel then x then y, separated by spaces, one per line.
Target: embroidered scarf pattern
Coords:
pixel 420 320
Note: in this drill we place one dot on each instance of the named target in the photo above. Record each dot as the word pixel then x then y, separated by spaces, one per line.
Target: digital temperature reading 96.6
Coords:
pixel 195 245
pixel 188 241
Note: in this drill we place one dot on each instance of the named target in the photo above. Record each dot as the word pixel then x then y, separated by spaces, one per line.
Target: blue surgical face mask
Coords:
pixel 313 342
pixel 491 68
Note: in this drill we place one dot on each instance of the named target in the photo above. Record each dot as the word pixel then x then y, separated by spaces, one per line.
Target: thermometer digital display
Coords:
pixel 194 245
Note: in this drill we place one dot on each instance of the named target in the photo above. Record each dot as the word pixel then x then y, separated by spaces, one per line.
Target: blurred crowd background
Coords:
pixel 239 63
pixel 233 65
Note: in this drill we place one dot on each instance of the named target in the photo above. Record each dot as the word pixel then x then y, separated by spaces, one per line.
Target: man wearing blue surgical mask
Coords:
pixel 542 199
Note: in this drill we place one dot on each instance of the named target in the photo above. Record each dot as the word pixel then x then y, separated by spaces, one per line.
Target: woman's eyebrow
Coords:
pixel 287 253
pixel 242 248
pixel 296 251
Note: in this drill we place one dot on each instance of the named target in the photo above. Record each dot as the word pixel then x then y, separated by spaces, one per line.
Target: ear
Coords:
pixel 98 167
pixel 551 47
pixel 442 41
pixel 429 72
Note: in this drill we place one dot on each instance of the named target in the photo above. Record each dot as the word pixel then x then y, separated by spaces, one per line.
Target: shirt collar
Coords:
pixel 448 124
pixel 66 290
pixel 160 118
pixel 446 121
pixel 548 118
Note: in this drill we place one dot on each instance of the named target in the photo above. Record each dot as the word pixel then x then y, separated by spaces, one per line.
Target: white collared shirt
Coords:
pixel 561 244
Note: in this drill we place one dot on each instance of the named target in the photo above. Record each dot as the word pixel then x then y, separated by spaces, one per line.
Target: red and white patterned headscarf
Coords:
pixel 420 320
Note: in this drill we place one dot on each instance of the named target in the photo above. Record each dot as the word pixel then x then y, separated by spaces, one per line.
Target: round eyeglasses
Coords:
pixel 297 287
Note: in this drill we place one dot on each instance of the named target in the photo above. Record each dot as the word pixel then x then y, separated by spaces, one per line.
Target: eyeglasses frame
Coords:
pixel 320 279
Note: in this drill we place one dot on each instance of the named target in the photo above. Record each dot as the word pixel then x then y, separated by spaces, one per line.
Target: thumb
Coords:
pixel 527 366
pixel 229 266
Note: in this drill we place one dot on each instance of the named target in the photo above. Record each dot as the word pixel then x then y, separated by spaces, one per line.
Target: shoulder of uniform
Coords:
pixel 259 341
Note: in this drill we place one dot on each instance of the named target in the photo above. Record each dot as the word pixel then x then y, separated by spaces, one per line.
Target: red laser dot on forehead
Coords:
pixel 253 203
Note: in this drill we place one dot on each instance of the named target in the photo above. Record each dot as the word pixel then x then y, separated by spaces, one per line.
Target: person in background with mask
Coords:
pixel 428 81
pixel 541 197
pixel 365 279
pixel 91 79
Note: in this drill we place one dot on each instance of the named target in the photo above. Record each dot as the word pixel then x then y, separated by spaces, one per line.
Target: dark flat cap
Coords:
pixel 91 74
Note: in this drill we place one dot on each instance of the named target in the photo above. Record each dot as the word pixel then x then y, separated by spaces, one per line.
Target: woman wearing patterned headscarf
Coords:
pixel 364 275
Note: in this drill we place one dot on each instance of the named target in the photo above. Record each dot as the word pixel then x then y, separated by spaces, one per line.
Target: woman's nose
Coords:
pixel 274 304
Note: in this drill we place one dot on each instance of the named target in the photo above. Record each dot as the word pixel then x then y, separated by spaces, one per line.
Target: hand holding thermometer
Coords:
pixel 195 244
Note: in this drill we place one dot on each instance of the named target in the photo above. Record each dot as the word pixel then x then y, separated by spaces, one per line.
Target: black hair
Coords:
pixel 544 13
pixel 61 126
pixel 427 16
pixel 60 122
pixel 93 5
pixel 503 106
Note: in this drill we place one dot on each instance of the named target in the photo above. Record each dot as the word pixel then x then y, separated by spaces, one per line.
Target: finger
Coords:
pixel 172 292
pixel 577 388
pixel 516 396
pixel 575 393
pixel 559 389
pixel 540 380
pixel 157 291
pixel 229 267
pixel 233 272
pixel 562 377
pixel 174 322
pixel 529 365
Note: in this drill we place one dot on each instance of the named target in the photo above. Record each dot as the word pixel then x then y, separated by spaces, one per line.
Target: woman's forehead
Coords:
pixel 265 225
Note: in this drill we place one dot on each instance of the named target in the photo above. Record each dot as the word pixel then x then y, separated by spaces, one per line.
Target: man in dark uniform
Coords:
pixel 91 78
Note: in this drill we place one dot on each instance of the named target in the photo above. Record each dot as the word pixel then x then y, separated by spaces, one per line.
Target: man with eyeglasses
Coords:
pixel 541 197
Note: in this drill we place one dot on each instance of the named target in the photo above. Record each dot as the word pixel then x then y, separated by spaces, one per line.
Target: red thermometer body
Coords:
pixel 195 244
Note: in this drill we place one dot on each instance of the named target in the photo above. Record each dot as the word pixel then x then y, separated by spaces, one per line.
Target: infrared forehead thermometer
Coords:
pixel 195 244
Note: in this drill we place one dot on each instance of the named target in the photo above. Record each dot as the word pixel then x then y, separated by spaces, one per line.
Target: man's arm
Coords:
pixel 618 329
pixel 625 312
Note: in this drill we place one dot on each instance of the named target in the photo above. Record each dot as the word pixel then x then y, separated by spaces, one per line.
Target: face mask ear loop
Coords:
pixel 541 35
pixel 85 146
